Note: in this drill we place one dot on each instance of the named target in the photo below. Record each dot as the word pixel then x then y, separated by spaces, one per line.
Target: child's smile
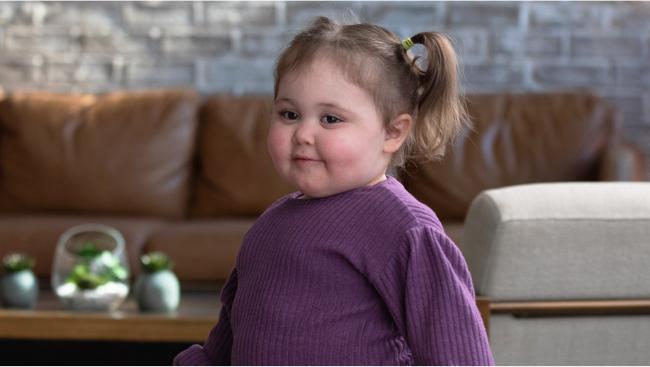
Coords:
pixel 326 135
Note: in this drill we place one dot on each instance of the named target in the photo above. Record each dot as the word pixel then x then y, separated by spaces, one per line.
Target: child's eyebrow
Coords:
pixel 283 99
pixel 334 105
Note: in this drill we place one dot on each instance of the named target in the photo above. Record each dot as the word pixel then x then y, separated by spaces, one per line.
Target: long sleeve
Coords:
pixel 217 348
pixel 429 292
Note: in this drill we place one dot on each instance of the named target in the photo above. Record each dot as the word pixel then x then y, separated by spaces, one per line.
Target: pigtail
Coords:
pixel 441 111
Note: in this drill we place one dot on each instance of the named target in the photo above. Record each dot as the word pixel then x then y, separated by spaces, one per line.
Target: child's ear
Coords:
pixel 397 132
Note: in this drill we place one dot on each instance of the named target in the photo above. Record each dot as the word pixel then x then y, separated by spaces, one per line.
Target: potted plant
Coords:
pixel 90 270
pixel 157 289
pixel 18 286
pixel 85 277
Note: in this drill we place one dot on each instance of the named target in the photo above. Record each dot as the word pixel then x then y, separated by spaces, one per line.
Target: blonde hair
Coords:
pixel 374 59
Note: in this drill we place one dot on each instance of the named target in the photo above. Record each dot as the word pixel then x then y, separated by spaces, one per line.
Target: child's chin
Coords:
pixel 315 194
pixel 312 193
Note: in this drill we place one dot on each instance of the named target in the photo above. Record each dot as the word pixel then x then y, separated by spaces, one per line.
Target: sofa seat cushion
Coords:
pixel 517 139
pixel 203 250
pixel 37 236
pixel 125 153
pixel 236 175
pixel 560 241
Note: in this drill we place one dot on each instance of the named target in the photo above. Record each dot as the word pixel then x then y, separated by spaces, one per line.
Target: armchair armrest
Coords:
pixel 483 304
pixel 560 308
pixel 623 163
pixel 572 308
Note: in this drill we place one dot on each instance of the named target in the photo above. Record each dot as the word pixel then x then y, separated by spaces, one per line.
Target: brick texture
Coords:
pixel 546 46
pixel 605 45
pixel 15 72
pixel 157 13
pixel 492 73
pixel 230 47
pixel 119 42
pixel 83 13
pixel 236 13
pixel 196 44
pixel 631 17
pixel 482 15
pixel 634 74
pixel 571 15
pixel 577 75
pixel 240 76
pixel 160 73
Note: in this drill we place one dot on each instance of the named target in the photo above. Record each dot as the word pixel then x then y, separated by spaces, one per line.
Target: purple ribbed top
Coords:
pixel 364 277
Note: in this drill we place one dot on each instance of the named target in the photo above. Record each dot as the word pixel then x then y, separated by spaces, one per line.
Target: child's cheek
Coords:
pixel 343 151
pixel 276 142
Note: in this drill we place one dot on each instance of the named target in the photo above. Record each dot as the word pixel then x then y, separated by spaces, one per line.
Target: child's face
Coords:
pixel 326 136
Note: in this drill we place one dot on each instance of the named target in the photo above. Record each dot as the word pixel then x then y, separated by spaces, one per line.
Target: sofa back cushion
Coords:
pixel 236 176
pixel 124 153
pixel 516 139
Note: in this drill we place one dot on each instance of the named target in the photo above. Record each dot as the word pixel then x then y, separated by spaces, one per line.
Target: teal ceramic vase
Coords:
pixel 158 291
pixel 19 290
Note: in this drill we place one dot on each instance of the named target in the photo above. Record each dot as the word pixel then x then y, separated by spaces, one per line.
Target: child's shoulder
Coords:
pixel 400 202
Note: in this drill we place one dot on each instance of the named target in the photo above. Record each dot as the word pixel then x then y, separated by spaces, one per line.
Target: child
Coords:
pixel 352 270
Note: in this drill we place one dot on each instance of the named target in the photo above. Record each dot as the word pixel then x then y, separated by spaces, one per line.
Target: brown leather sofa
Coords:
pixel 188 177
pixel 525 138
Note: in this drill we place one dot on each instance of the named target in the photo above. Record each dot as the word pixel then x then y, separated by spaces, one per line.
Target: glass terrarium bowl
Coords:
pixel 90 270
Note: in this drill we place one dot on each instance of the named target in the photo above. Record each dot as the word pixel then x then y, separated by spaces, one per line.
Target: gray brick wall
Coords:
pixel 97 47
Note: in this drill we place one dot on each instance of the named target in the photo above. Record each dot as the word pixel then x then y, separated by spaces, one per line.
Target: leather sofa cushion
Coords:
pixel 454 230
pixel 125 153
pixel 516 139
pixel 203 250
pixel 236 176
pixel 37 236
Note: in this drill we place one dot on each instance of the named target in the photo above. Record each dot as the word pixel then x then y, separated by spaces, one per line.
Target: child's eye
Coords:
pixel 329 119
pixel 289 115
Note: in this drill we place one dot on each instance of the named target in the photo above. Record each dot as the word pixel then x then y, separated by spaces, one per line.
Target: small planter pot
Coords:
pixel 159 291
pixel 19 290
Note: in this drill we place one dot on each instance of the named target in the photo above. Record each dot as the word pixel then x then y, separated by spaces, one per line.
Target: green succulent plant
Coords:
pixel 85 278
pixel 15 262
pixel 88 250
pixel 155 261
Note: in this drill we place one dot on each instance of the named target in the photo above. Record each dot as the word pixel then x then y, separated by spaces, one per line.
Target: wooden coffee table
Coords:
pixel 197 314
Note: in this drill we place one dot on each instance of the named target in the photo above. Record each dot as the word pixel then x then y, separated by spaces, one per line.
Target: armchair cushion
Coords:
pixel 560 241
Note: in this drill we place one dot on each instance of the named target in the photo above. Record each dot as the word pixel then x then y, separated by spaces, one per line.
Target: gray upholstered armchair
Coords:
pixel 566 268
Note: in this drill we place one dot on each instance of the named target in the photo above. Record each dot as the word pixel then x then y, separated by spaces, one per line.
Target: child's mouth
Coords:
pixel 306 161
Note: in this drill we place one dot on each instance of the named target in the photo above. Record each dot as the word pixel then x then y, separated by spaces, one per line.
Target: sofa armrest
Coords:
pixel 623 163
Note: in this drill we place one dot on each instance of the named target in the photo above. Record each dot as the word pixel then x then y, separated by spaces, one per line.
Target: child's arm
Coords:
pixel 429 293
pixel 217 348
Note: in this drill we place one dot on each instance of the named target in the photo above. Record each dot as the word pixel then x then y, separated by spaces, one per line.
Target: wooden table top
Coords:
pixel 197 314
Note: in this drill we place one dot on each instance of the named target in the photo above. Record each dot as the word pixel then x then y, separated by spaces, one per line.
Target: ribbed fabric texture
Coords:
pixel 364 277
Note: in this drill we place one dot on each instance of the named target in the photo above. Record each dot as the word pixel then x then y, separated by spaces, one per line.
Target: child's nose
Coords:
pixel 304 133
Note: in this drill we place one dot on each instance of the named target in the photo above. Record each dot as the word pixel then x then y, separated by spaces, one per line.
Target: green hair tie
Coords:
pixel 407 43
